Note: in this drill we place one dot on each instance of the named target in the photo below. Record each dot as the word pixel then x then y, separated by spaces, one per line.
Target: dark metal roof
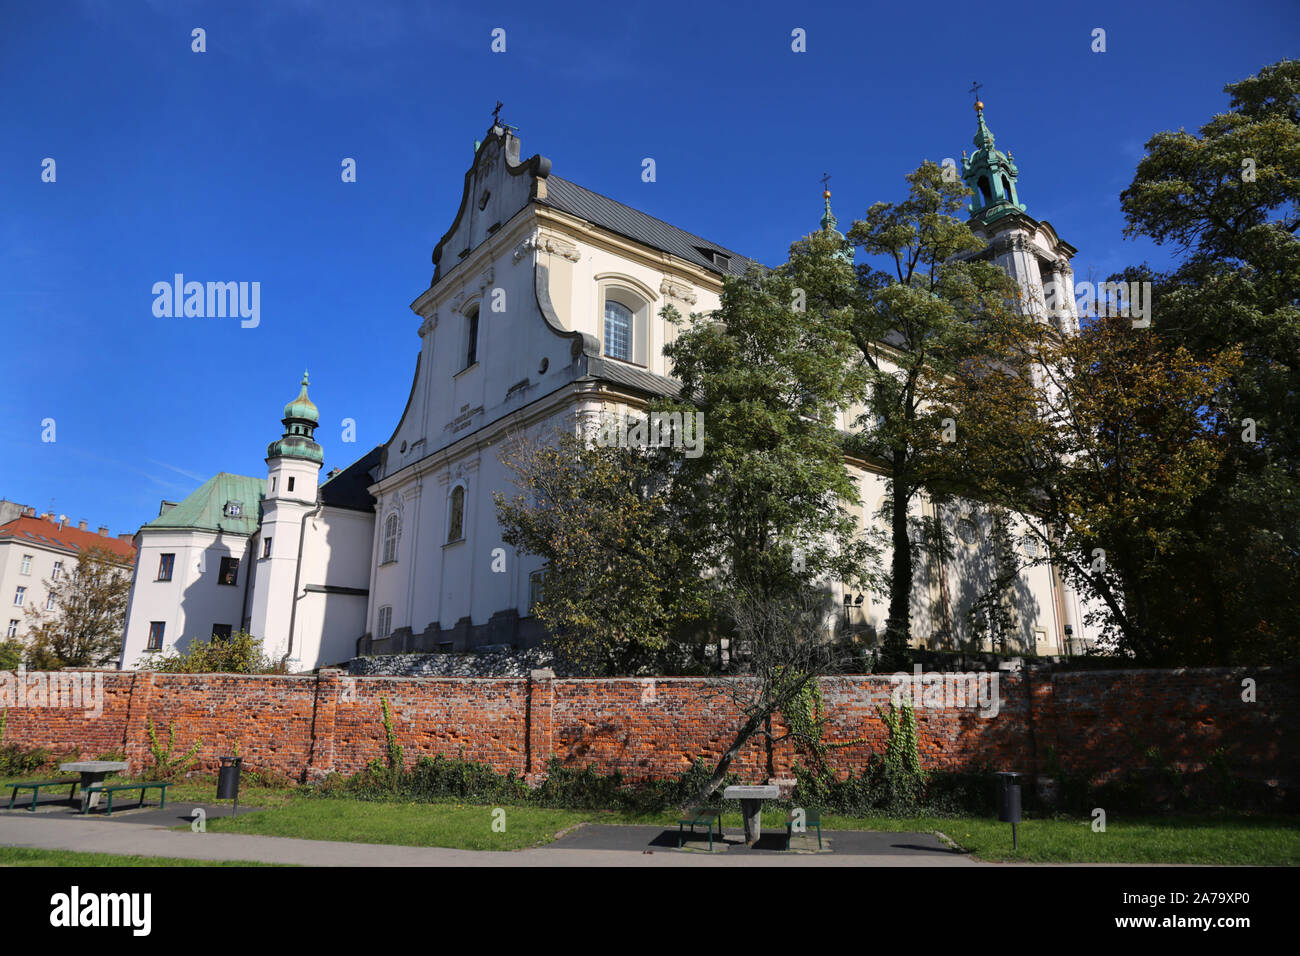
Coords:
pixel 347 489
pixel 634 224
pixel 620 373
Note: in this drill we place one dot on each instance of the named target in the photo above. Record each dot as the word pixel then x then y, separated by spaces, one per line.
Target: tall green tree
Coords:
pixel 1101 443
pixel 913 323
pixel 621 585
pixel 84 626
pixel 765 506
pixel 1227 200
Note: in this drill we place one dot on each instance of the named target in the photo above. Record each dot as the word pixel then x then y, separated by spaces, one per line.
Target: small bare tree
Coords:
pixel 781 645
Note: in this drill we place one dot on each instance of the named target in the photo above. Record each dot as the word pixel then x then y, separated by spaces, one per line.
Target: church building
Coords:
pixel 542 314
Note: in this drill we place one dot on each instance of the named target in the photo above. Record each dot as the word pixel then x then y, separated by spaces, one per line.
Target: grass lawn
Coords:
pixel 457 826
pixel 1215 840
pixel 23 856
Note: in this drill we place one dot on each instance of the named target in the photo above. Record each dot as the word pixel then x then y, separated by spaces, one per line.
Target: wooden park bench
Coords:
pixel 118 787
pixel 811 818
pixel 702 815
pixel 35 787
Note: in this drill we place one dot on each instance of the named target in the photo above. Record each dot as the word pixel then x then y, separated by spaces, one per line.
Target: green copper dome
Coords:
pixel 300 420
pixel 302 407
pixel 991 175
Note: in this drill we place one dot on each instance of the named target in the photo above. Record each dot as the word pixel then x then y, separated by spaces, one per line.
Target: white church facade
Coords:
pixel 543 313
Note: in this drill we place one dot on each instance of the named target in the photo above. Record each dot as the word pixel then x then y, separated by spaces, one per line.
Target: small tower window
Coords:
pixel 291 484
pixel 986 189
pixel 1006 188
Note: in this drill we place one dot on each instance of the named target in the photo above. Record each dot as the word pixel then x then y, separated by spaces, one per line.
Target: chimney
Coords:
pixel 103 532
pixel 30 511
pixel 128 538
pixel 81 525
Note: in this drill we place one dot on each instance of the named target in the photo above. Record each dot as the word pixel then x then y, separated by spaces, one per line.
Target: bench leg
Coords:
pixel 162 805
pixel 109 812
pixel 35 791
pixel 679 836
pixel 819 836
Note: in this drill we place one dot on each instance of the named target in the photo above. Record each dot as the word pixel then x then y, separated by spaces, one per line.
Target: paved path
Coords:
pixel 592 845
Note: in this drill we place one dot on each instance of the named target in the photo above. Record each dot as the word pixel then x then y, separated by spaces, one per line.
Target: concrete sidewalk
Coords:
pixel 586 846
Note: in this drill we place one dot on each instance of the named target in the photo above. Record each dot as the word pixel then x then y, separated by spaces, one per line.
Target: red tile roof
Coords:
pixel 42 532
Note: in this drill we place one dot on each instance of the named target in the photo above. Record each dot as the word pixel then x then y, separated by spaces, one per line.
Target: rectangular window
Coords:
pixel 266 548
pixel 155 635
pixel 13 628
pixel 471 351
pixel 291 483
pixel 273 481
pixel 165 564
pixel 221 632
pixel 49 602
pixel 58 570
pixel 26 565
pixel 384 626
pixel 18 596
pixel 229 573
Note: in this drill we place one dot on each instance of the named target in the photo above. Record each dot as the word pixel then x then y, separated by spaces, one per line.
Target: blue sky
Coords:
pixel 225 166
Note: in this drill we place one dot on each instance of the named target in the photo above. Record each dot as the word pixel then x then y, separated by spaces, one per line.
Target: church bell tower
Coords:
pixel 293 469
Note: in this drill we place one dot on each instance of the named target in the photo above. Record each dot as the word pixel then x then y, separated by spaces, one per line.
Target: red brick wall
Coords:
pixel 305 727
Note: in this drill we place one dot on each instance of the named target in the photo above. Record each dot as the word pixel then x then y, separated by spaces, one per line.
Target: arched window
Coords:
pixel 618 330
pixel 390 539
pixel 456 514
pixel 1006 189
pixel 985 189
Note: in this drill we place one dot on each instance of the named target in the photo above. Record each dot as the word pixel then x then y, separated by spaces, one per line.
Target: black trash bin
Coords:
pixel 1009 802
pixel 228 779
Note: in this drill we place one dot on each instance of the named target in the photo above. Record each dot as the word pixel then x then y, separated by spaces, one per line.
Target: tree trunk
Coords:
pixel 898 626
pixel 747 730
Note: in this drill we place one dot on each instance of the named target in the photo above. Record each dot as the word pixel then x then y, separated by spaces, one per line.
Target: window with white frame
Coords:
pixel 391 524
pixel 58 570
pixel 625 307
pixel 19 596
pixel 384 626
pixel 625 320
pixel 49 602
pixel 456 514
pixel 26 566
pixel 156 629
pixel 618 330
pixel 13 628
